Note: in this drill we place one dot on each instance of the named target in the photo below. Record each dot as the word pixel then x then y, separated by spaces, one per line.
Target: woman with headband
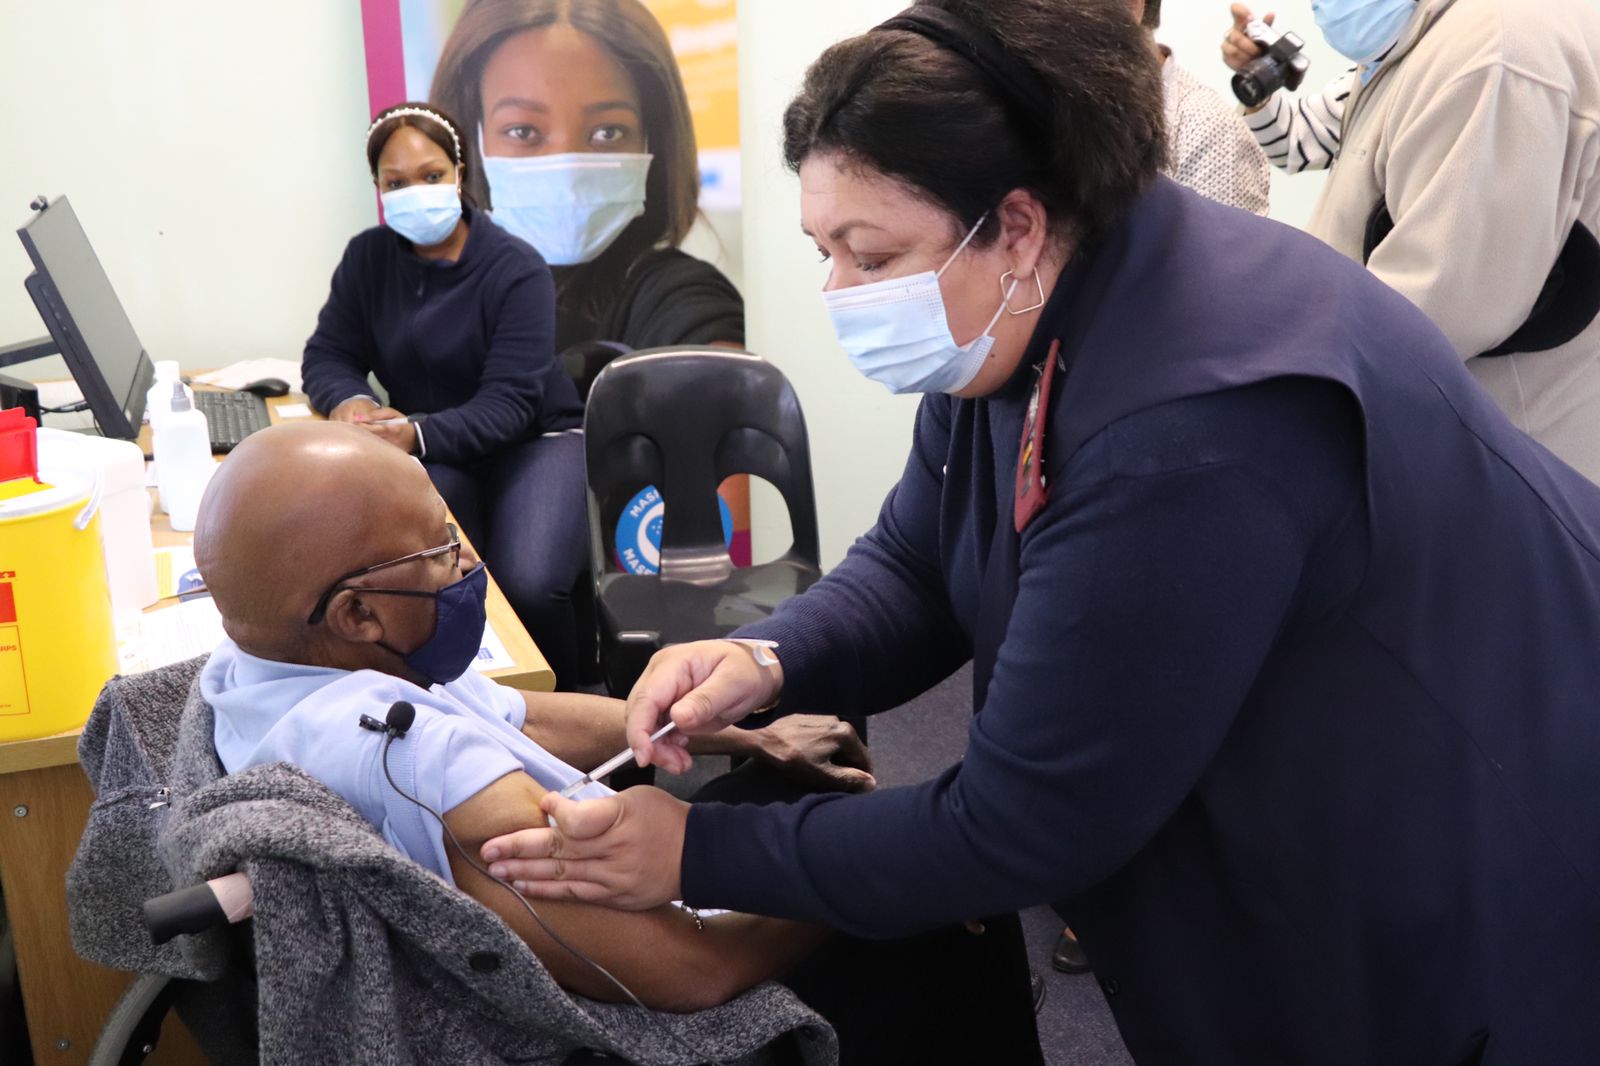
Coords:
pixel 456 320
pixel 1283 635
pixel 588 153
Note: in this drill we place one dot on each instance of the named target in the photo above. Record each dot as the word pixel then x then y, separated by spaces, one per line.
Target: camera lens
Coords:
pixel 1257 81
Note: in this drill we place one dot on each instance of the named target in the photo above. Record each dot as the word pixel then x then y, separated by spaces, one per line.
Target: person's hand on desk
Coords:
pixel 624 851
pixel 389 426
pixel 353 409
pixel 703 687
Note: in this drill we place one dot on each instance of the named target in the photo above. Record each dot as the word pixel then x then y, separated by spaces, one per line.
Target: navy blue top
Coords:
pixel 469 344
pixel 1295 715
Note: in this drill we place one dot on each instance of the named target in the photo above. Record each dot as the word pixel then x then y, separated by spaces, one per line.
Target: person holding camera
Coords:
pixel 1467 135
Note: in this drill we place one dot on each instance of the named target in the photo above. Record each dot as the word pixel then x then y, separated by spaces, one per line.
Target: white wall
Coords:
pixel 213 152
pixel 859 433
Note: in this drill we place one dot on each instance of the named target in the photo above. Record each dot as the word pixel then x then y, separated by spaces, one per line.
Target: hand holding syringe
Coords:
pixel 612 763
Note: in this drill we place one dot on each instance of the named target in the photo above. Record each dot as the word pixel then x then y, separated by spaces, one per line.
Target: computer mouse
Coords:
pixel 268 387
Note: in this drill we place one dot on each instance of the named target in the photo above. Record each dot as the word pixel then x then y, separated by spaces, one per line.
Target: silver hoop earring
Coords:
pixel 1038 284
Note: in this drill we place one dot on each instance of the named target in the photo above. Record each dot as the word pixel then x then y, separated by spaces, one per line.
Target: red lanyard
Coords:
pixel 1032 493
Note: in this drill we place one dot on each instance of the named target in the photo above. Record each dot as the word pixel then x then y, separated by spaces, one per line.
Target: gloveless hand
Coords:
pixel 819 750
pixel 396 430
pixel 624 851
pixel 1238 49
pixel 703 687
pixel 353 409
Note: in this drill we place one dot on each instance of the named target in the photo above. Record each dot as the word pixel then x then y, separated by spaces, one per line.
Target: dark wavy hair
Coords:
pixel 627 30
pixel 894 101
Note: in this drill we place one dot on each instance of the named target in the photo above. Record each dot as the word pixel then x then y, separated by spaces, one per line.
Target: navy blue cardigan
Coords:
pixel 469 344
pixel 1297 718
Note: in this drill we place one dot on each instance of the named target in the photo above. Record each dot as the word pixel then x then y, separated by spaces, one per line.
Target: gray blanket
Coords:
pixel 360 954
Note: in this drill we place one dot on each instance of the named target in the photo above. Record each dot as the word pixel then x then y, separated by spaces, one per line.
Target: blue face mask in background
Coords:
pixel 459 618
pixel 422 214
pixel 570 206
pixel 1362 30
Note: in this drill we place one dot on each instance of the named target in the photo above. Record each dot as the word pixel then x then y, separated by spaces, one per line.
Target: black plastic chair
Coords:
pixel 684 420
pixel 583 362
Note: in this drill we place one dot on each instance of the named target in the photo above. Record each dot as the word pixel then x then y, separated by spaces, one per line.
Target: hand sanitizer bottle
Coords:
pixel 158 400
pixel 184 465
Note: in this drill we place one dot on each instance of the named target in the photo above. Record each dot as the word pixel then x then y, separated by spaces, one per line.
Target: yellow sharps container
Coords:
pixel 58 644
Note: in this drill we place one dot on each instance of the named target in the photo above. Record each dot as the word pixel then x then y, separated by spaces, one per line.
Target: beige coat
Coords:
pixel 1482 133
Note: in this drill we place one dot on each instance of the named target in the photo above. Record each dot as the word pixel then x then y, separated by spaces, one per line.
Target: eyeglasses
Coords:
pixel 453 549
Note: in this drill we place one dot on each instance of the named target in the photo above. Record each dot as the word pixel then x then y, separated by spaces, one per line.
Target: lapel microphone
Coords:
pixel 396 722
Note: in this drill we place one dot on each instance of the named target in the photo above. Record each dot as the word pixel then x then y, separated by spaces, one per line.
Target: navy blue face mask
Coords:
pixel 459 618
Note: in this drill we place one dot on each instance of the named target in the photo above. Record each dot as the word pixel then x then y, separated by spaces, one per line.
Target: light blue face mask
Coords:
pixel 1362 30
pixel 895 331
pixel 569 206
pixel 422 214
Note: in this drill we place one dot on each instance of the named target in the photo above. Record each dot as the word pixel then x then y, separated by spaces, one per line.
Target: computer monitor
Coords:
pixel 85 319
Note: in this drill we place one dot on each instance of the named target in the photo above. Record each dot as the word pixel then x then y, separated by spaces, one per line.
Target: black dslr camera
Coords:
pixel 1283 66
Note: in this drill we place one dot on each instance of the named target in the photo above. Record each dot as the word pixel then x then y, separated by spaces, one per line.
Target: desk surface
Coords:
pixel 531 670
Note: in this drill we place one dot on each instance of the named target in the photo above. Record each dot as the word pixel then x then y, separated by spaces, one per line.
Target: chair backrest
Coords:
pixel 583 362
pixel 683 420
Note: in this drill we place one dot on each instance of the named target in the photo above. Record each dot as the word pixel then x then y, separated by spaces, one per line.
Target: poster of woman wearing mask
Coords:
pixel 605 134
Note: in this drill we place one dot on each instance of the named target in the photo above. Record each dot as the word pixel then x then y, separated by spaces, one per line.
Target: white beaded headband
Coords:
pixel 419 112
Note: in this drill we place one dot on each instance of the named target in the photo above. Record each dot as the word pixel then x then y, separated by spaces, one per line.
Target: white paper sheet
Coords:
pixel 292 410
pixel 492 655
pixel 171 635
pixel 238 375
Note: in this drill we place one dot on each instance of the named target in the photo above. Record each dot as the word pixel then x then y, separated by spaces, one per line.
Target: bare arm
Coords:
pixel 584 731
pixel 661 955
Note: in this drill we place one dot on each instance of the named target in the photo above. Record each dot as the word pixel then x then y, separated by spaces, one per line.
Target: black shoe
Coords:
pixel 1069 956
pixel 1038 990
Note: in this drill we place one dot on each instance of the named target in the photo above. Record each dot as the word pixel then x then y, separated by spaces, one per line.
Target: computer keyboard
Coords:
pixel 231 417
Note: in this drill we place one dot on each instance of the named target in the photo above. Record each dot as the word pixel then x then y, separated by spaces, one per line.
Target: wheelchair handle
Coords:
pixel 217 902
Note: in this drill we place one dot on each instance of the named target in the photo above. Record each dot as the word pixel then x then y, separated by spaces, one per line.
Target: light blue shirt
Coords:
pixel 467 735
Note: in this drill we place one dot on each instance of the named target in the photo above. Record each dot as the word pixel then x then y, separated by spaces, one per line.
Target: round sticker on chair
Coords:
pixel 638 541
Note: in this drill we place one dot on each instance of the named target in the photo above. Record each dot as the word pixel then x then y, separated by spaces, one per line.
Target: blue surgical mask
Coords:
pixel 1362 30
pixel 896 333
pixel 423 214
pixel 571 206
pixel 459 618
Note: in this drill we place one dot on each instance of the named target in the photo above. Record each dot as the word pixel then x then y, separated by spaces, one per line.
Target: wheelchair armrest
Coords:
pixel 217 902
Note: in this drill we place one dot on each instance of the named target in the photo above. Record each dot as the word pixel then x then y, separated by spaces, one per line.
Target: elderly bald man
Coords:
pixel 342 589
